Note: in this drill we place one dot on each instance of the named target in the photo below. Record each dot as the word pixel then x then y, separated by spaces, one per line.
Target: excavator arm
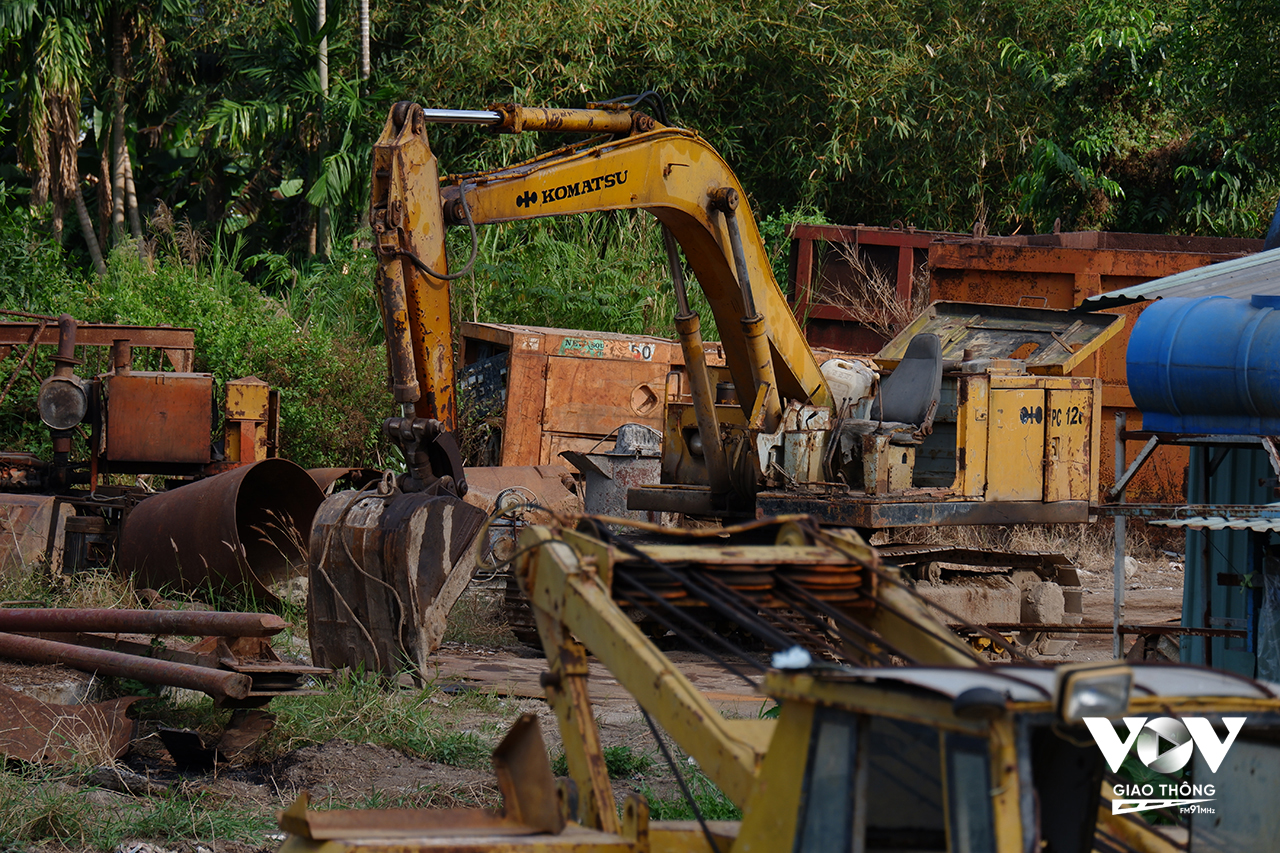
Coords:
pixel 672 173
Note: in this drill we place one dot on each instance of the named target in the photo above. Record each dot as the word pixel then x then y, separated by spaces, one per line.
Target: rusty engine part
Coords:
pixel 243 528
pixel 149 422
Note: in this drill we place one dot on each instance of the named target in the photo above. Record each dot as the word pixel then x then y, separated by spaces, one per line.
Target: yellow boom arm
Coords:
pixel 674 174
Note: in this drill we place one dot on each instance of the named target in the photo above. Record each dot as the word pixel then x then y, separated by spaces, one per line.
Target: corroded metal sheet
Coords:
pixel 39 732
pixel 26 523
pixel 159 417
pixel 243 528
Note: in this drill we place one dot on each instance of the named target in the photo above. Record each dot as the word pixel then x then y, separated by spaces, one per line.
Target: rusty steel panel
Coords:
pixel 159 417
pixel 246 527
pixel 27 523
pixel 566 389
pixel 551 487
pixel 385 571
pixel 40 732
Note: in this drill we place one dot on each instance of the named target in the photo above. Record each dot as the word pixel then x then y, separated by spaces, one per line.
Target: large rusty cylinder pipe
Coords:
pixel 518 119
pixel 218 683
pixel 754 333
pixel 244 528
pixel 689 327
pixel 192 623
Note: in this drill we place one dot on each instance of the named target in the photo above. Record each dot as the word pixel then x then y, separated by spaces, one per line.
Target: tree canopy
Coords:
pixel 157 127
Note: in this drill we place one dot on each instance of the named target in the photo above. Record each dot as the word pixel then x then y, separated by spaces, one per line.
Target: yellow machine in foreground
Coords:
pixel 961 757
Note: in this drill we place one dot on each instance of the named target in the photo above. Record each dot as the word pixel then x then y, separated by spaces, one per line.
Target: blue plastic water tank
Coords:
pixel 1209 364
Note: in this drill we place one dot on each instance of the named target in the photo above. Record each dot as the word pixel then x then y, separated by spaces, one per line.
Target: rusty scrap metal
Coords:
pixel 32 341
pixel 204 623
pixel 252 656
pixel 157 417
pixel 220 684
pixel 243 528
pixel 41 732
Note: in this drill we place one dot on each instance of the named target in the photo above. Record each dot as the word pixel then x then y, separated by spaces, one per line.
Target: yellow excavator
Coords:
pixel 942 753
pixel 978 422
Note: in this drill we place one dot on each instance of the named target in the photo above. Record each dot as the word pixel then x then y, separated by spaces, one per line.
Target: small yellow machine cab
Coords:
pixel 979 421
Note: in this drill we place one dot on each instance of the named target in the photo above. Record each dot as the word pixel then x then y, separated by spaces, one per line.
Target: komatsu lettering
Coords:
pixel 588 185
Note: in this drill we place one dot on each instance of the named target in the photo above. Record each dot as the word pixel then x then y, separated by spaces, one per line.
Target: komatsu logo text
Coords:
pixel 573 190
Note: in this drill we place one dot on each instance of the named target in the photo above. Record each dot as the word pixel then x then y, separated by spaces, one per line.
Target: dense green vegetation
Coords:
pixel 166 161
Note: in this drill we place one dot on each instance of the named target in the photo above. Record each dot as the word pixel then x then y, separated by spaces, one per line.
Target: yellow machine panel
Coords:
pixel 1016 442
pixel 1069 454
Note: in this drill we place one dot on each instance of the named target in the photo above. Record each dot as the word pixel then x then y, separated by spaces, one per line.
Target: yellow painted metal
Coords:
pixel 408 224
pixel 1015 440
pixel 670 173
pixel 566 687
pixel 910 625
pixel 769 817
pixel 564 589
pixel 971 436
pixel 1005 786
pixel 1070 457
pixel 768 411
pixel 247 411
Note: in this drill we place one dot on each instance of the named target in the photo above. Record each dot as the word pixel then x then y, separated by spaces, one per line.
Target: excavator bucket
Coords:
pixel 385 571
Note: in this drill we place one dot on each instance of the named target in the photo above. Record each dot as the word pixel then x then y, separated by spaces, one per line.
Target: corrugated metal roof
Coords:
pixel 1239 277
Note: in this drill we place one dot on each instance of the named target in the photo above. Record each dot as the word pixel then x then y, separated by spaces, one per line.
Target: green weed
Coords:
pixel 711 802
pixel 622 761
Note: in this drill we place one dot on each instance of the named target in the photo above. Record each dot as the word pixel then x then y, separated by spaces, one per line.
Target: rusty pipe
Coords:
pixel 194 623
pixel 218 683
pixel 247 527
pixel 66 359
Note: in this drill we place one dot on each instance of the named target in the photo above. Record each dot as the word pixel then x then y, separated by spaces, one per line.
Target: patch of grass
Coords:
pixel 622 761
pixel 92 588
pixel 38 806
pixel 711 801
pixel 477 619
pixel 369 710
